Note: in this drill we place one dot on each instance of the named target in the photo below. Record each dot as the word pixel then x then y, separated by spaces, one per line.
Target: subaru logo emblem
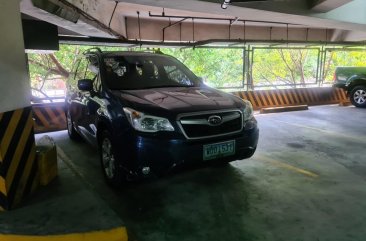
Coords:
pixel 214 120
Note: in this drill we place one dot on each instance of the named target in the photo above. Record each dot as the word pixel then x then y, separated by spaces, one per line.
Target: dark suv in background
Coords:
pixel 353 81
pixel 148 113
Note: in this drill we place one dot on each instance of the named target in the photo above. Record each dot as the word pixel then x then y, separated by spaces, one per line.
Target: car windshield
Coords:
pixel 146 71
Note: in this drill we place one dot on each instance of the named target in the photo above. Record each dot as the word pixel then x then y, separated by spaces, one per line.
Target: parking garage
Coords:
pixel 305 180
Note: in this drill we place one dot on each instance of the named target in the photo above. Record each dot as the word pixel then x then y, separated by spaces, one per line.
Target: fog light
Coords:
pixel 250 124
pixel 145 170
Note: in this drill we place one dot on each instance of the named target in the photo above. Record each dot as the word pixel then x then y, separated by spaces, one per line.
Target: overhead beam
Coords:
pixel 193 20
pixel 310 19
pixel 188 31
pixel 69 17
pixel 327 5
pixel 217 43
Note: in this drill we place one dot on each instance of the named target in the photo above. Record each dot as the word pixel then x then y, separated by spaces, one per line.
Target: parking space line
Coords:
pixel 354 138
pixel 286 166
pixel 70 164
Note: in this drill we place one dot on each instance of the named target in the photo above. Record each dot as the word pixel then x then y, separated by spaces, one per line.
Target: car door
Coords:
pixel 74 95
pixel 90 101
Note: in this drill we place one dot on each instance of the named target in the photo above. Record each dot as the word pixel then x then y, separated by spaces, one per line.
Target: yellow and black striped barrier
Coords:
pixel 114 234
pixel 290 97
pixel 49 117
pixel 18 166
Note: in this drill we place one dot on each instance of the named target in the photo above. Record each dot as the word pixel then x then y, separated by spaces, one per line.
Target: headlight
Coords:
pixel 247 111
pixel 147 123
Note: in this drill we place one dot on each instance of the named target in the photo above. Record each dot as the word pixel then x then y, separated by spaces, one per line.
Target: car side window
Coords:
pixel 92 72
pixel 73 78
pixel 118 70
pixel 92 69
pixel 148 70
pixel 87 68
pixel 74 69
pixel 81 69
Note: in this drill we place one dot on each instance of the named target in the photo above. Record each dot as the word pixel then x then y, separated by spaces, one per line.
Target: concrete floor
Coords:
pixel 63 207
pixel 307 181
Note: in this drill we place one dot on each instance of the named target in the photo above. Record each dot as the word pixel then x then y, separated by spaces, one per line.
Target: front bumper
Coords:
pixel 164 154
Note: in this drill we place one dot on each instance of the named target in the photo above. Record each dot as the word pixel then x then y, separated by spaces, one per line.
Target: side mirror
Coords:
pixel 85 85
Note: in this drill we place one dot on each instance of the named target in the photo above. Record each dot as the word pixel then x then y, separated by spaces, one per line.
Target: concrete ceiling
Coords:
pixel 148 20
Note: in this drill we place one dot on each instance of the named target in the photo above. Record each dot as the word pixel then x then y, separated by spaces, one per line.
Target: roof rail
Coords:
pixel 91 50
pixel 153 50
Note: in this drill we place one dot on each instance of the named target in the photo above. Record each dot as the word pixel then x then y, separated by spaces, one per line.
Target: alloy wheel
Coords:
pixel 359 96
pixel 108 158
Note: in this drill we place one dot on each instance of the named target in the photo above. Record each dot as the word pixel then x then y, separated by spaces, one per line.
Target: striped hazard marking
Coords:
pixel 18 166
pixel 49 117
pixel 289 97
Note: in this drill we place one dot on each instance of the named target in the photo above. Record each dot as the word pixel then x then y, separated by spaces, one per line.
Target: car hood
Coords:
pixel 179 99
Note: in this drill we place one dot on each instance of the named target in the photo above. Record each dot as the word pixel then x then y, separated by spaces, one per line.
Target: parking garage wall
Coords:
pixel 14 91
pixel 18 167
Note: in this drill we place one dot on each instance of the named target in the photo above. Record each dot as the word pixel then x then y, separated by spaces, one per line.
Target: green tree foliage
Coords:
pixel 344 58
pixel 47 71
pixel 50 71
pixel 218 67
pixel 281 66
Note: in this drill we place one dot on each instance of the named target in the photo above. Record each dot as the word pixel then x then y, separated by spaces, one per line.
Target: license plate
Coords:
pixel 217 150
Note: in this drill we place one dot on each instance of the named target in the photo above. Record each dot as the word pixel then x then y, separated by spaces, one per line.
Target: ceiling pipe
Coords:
pixel 139 24
pixel 220 19
pixel 171 25
pixel 114 10
pixel 234 21
pixel 198 44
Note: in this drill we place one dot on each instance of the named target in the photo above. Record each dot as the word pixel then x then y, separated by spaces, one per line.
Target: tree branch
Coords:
pixel 45 67
pixel 287 65
pixel 61 69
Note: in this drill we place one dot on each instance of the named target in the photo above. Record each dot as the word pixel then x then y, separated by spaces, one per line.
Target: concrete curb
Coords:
pixel 345 103
pixel 116 234
pixel 283 109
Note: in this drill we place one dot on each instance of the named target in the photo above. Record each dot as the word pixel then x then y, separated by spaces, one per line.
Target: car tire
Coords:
pixel 112 170
pixel 70 128
pixel 358 96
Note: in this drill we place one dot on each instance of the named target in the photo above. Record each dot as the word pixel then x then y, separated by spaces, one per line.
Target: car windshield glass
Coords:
pixel 144 71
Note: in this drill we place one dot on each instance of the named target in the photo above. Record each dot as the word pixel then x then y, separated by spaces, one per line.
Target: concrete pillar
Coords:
pixel 18 167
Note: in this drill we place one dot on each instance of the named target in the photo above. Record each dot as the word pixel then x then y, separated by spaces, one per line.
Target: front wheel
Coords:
pixel 70 127
pixel 358 96
pixel 112 171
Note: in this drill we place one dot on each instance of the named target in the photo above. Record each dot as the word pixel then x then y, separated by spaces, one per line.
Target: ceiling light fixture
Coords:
pixel 225 4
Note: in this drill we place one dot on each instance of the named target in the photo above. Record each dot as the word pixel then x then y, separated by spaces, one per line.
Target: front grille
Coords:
pixel 196 126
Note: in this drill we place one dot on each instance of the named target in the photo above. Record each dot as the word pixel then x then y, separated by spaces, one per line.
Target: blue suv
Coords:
pixel 148 113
